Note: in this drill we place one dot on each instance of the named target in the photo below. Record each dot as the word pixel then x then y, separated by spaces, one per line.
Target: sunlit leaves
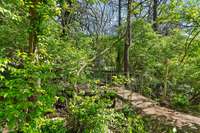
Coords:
pixel 9 14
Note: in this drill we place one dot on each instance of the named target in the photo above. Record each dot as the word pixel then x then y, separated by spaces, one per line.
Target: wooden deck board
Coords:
pixel 151 108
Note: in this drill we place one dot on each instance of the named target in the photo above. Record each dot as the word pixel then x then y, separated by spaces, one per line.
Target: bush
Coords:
pixel 180 100
pixel 25 91
pixel 41 125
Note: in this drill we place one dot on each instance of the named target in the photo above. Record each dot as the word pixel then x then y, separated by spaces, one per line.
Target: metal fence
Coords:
pixel 137 81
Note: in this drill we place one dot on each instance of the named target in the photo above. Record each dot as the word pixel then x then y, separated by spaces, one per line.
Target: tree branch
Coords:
pixel 100 54
pixel 188 45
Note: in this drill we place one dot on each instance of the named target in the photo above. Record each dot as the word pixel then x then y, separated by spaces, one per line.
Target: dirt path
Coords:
pixel 148 107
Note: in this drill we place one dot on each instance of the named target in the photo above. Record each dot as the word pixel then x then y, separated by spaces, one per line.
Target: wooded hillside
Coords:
pixel 61 59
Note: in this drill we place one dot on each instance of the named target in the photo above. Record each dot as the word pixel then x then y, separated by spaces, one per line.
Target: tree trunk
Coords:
pixel 119 13
pixel 33 27
pixel 155 15
pixel 33 34
pixel 127 40
pixel 118 60
pixel 166 76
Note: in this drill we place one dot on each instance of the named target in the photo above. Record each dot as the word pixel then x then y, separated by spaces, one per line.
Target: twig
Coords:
pixel 187 46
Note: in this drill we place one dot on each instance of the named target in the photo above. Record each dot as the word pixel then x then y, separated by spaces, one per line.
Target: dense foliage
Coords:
pixel 59 60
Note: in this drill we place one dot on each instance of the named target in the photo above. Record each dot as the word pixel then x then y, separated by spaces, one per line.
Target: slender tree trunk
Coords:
pixel 155 15
pixel 127 40
pixel 119 13
pixel 33 34
pixel 118 60
pixel 33 27
pixel 166 76
pixel 63 22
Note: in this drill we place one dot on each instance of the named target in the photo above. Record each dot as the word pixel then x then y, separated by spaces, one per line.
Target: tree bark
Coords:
pixel 155 15
pixel 33 39
pixel 165 80
pixel 127 40
pixel 118 60
pixel 119 13
pixel 33 34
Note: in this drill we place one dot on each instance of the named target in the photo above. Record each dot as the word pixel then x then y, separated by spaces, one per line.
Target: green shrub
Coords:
pixel 180 100
pixel 91 114
pixel 41 125
pixel 25 91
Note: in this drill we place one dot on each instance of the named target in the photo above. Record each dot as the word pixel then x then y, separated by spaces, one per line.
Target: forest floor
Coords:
pixel 148 107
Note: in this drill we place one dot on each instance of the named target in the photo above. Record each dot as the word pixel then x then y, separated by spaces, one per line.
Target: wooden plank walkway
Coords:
pixel 148 107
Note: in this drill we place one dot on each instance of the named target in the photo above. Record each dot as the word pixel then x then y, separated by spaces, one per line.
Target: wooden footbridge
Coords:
pixel 148 107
